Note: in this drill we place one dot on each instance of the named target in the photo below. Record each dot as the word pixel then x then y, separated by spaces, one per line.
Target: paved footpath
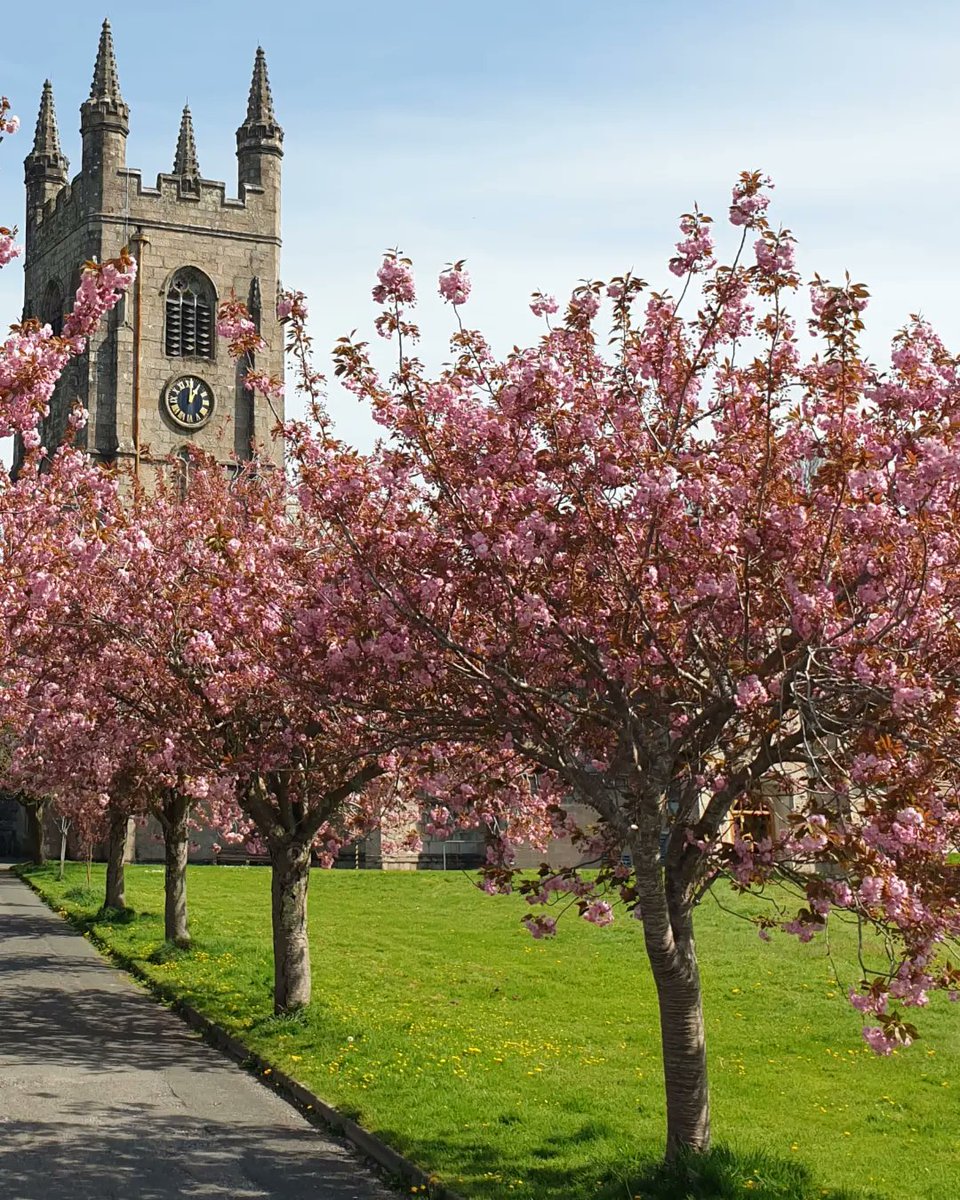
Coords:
pixel 105 1095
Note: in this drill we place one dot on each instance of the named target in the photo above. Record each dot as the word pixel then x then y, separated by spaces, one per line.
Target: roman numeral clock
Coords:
pixel 188 401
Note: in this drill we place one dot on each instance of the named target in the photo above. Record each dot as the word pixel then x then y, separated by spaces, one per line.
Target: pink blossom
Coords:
pixel 540 926
pixel 31 359
pixel 695 252
pixel 871 890
pixel 9 250
pixel 750 200
pixel 868 1002
pixel 842 895
pixel 805 931
pixel 267 385
pixel 455 285
pixel 880 1042
pixel 584 305
pixel 774 255
pixel 751 694
pixel 235 326
pixel 912 992
pixel 598 913
pixel 908 826
pixel 396 284
pixel 542 305
pixel 292 304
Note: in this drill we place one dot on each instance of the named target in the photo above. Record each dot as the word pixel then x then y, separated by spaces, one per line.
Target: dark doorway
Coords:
pixel 10 828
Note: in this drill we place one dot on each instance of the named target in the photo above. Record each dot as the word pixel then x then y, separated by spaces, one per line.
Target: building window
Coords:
pixel 191 303
pixel 183 471
pixel 52 312
pixel 752 818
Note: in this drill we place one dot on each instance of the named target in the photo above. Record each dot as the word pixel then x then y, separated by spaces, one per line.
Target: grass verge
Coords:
pixel 516 1068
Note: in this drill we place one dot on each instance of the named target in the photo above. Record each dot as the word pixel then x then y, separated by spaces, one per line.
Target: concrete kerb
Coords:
pixel 310 1106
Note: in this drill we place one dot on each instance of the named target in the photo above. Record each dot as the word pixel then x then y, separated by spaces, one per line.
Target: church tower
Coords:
pixel 155 378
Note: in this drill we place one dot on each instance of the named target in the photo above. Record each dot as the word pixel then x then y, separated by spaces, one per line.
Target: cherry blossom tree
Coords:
pixel 188 627
pixel 665 580
pixel 54 522
pixel 9 123
pixel 55 489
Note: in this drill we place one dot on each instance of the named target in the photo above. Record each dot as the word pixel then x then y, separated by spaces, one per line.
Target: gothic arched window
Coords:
pixel 52 309
pixel 190 310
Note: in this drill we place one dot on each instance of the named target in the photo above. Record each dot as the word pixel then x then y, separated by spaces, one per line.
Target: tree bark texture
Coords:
pixel 116 856
pixel 64 830
pixel 130 844
pixel 176 843
pixel 684 1048
pixel 667 915
pixel 290 878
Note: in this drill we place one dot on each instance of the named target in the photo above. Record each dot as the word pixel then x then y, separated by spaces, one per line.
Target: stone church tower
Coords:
pixel 155 376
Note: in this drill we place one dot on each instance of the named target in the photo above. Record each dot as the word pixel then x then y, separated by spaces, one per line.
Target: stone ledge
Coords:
pixel 309 1105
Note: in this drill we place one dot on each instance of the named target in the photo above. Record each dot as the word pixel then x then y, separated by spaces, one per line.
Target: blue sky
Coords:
pixel 544 141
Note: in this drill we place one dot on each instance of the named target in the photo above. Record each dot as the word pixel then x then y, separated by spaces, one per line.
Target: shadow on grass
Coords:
pixel 279 1024
pixel 168 952
pixel 87 896
pixel 722 1174
pixel 115 916
pixel 728 1174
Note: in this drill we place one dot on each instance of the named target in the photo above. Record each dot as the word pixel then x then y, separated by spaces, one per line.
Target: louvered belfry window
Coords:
pixel 190 305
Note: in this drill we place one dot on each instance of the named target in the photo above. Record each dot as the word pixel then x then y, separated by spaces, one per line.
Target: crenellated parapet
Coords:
pixel 178 198
pixel 107 188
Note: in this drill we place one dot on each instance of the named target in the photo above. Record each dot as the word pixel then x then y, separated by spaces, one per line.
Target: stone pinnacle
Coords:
pixel 260 104
pixel 46 139
pixel 185 161
pixel 106 82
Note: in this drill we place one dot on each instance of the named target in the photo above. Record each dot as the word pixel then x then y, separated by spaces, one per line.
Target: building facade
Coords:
pixel 154 378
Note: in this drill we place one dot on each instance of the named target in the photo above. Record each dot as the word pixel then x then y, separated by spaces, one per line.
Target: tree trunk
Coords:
pixel 130 843
pixel 116 855
pixel 36 831
pixel 64 830
pixel 667 917
pixel 684 1048
pixel 176 841
pixel 290 878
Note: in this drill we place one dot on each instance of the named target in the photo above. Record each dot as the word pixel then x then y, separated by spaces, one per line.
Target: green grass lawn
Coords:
pixel 531 1069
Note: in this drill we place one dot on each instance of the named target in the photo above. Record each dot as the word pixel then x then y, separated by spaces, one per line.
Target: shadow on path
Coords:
pixel 105 1093
pixel 138 1154
pixel 97 1028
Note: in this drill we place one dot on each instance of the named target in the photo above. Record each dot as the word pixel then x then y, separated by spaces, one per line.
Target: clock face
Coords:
pixel 188 401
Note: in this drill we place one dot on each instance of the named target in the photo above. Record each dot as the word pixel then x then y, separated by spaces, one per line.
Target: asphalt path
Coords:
pixel 106 1095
